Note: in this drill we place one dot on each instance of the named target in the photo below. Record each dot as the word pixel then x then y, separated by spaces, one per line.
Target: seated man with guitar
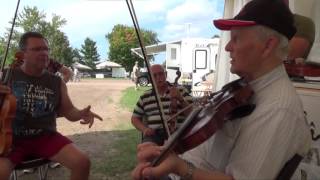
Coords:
pixel 256 145
pixel 40 98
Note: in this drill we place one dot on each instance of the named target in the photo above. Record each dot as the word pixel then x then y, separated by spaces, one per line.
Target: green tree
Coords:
pixel 77 56
pixel 12 48
pixel 89 52
pixel 122 39
pixel 31 19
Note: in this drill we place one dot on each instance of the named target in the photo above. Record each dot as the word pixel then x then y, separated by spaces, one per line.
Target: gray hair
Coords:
pixel 265 32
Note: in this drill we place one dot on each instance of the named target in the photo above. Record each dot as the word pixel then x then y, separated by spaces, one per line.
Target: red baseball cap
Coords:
pixel 274 14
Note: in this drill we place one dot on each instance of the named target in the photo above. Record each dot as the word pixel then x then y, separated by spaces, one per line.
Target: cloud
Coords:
pixel 96 18
pixel 191 18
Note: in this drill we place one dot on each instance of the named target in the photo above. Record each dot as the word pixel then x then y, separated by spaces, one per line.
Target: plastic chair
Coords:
pixel 40 164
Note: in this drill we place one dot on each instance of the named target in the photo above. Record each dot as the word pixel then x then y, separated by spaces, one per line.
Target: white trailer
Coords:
pixel 194 57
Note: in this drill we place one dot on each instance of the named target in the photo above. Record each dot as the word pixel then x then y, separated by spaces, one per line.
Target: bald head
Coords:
pixel 156 68
pixel 159 75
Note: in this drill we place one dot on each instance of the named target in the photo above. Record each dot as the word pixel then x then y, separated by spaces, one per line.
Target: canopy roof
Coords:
pixel 107 64
pixel 80 66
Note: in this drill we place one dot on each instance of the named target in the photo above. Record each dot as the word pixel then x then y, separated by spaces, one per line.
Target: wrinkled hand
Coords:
pixel 88 117
pixel 4 89
pixel 148 132
pixel 146 153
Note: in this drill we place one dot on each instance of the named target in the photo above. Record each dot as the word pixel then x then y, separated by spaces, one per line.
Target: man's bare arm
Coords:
pixel 68 110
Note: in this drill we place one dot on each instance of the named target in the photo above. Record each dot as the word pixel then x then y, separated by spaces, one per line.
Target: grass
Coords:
pixel 130 97
pixel 121 158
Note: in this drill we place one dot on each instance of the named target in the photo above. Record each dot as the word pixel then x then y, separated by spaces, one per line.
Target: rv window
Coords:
pixel 173 53
pixel 201 59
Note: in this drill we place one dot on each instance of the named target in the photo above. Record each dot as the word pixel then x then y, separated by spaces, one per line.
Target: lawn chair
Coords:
pixel 289 168
pixel 40 164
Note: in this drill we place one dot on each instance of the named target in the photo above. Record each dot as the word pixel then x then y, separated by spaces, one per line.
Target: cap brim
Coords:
pixel 227 24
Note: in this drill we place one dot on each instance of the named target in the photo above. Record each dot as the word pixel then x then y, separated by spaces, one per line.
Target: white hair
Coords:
pixel 265 32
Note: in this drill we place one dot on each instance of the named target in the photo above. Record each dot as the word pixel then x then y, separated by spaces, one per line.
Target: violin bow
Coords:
pixel 143 50
pixel 6 78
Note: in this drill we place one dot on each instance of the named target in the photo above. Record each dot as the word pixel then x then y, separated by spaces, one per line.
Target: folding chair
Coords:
pixel 289 168
pixel 40 164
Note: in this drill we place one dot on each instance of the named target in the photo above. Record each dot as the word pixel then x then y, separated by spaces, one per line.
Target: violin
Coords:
pixel 231 102
pixel 174 104
pixel 301 70
pixel 8 106
pixel 8 102
pixel 18 59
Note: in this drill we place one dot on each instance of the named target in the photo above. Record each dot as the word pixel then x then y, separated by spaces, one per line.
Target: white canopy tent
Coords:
pixel 117 69
pixel 80 66
pixel 106 64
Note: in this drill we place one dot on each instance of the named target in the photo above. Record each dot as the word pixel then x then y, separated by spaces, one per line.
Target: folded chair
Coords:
pixel 40 164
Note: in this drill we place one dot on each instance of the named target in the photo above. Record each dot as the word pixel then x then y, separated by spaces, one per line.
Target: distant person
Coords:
pixel 135 74
pixel 76 75
pixel 146 114
pixel 53 66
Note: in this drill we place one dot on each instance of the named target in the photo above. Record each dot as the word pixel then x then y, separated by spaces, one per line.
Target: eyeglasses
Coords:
pixel 38 49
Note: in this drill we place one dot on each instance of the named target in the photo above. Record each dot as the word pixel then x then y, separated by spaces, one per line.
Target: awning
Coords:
pixel 153 49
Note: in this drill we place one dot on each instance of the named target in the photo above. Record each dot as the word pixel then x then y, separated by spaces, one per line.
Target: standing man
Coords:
pixel 259 145
pixel 41 97
pixel 135 74
pixel 146 114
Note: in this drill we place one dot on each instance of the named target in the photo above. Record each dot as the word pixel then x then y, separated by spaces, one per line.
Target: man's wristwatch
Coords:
pixel 189 174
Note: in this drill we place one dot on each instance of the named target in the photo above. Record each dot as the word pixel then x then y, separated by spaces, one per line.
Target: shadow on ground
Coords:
pixel 112 154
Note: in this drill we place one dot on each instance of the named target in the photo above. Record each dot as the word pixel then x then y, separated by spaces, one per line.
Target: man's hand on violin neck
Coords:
pixel 4 89
pixel 175 93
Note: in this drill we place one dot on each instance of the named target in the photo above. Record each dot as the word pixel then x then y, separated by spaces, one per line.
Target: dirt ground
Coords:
pixel 103 95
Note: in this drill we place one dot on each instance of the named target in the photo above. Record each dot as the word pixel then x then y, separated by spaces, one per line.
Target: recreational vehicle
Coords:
pixel 195 58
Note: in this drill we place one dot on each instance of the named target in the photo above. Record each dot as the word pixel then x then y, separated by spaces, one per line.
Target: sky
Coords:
pixel 170 19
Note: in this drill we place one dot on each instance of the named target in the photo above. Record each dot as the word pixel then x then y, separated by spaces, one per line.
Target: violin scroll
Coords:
pixel 172 124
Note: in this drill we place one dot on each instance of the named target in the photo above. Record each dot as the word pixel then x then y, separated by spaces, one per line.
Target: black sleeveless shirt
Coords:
pixel 38 99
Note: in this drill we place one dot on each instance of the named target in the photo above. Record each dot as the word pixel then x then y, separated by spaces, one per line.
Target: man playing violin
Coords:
pixel 41 97
pixel 258 145
pixel 146 116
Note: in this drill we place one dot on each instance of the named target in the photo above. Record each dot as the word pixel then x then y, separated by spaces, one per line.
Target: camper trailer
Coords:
pixel 195 58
